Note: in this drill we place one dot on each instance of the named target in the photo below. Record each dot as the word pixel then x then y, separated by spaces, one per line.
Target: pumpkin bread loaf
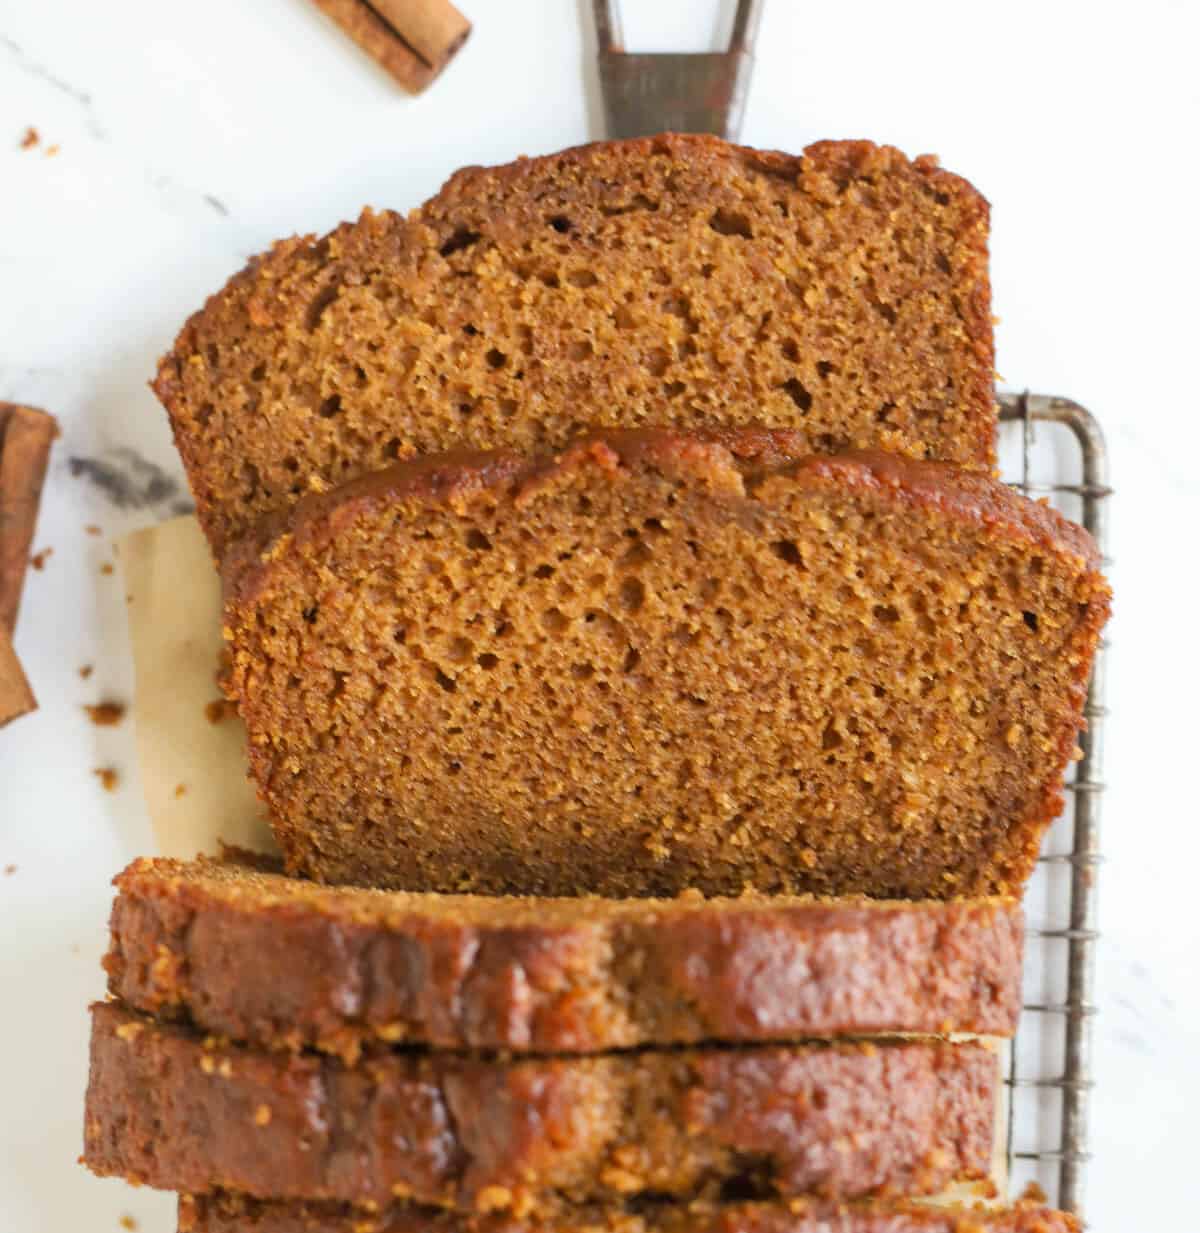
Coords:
pixel 226 1213
pixel 241 951
pixel 665 280
pixel 174 1109
pixel 662 661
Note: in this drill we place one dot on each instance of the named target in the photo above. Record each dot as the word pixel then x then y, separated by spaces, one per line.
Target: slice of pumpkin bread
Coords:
pixel 664 280
pixel 229 1213
pixel 661 661
pixel 243 952
pixel 174 1109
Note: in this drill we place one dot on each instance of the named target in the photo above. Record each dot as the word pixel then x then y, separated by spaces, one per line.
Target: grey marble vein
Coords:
pixel 18 56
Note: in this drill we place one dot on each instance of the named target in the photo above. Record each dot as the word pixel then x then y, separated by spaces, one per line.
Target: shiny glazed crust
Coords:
pixel 247 953
pixel 175 1110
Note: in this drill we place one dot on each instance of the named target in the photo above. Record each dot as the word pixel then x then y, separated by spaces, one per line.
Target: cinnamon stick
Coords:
pixel 16 698
pixel 413 40
pixel 25 438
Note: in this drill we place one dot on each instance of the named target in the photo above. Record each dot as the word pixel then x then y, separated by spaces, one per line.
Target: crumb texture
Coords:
pixel 227 1213
pixel 179 1111
pixel 670 280
pixel 281 962
pixel 660 662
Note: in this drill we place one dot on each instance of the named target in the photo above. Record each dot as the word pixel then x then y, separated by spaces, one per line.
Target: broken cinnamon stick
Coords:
pixel 25 438
pixel 413 40
pixel 16 698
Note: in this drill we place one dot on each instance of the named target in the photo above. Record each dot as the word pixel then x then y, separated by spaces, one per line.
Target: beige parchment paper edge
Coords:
pixel 193 770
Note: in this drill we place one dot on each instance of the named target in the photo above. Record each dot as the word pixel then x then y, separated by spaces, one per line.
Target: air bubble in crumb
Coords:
pixel 106 714
pixel 109 777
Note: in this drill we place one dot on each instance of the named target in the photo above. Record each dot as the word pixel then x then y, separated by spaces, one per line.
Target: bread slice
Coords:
pixel 241 951
pixel 672 279
pixel 662 661
pixel 226 1213
pixel 171 1108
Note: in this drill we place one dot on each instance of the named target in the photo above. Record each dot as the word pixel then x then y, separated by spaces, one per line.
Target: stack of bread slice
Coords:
pixel 658 703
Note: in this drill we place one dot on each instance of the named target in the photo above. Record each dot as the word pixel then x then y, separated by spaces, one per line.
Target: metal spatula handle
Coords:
pixel 702 92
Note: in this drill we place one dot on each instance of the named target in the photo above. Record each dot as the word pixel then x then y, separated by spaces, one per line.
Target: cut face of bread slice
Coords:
pixel 226 1213
pixel 668 280
pixel 246 953
pixel 173 1109
pixel 659 662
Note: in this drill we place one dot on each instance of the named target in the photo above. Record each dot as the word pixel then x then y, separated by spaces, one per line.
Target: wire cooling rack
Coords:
pixel 1042 440
pixel 1052 448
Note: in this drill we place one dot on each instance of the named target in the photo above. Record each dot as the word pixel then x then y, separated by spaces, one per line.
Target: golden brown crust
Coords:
pixel 668 279
pixel 237 1214
pixel 964 570
pixel 171 1109
pixel 252 955
pixel 456 478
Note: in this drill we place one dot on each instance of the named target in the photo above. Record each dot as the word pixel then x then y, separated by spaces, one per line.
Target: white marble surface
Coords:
pixel 192 135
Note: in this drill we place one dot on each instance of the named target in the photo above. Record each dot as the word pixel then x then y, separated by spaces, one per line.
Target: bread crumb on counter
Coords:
pixel 109 777
pixel 106 714
pixel 219 710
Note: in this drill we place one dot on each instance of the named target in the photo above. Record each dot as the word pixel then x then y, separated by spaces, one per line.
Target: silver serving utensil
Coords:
pixel 683 92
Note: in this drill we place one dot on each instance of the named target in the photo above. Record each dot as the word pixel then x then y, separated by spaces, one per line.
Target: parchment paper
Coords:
pixel 193 770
